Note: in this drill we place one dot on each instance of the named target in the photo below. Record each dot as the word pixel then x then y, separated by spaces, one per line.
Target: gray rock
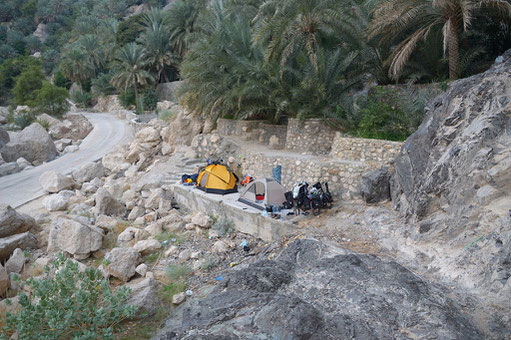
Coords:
pixel 166 91
pixel 41 32
pixel 8 244
pixel 123 262
pixel 315 291
pixel 33 143
pixel 62 143
pixel 129 237
pixel 179 298
pixel 52 182
pixel 375 185
pixel 4 138
pixel 107 205
pixel 74 237
pixel 71 148
pixel 144 296
pixel 9 168
pixel 135 213
pixel 88 172
pixel 4 281
pixel 145 247
pixel 16 261
pixel 23 163
pixel 12 222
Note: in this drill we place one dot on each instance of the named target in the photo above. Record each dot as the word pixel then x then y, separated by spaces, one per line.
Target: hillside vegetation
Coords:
pixel 254 59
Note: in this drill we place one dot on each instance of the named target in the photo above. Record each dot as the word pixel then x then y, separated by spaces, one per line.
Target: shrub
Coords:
pixel 101 86
pixel 24 119
pixel 177 272
pixel 44 123
pixel 150 99
pixel 82 99
pixel 69 304
pixel 27 83
pixel 224 226
pixel 167 115
pixel 51 99
pixel 61 81
pixel 127 99
pixel 171 289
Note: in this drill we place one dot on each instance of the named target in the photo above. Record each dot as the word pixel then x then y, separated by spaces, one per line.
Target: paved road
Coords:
pixel 108 131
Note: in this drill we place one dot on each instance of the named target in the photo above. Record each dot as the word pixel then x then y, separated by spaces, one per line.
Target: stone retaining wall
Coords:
pixel 372 151
pixel 240 128
pixel 254 130
pixel 311 136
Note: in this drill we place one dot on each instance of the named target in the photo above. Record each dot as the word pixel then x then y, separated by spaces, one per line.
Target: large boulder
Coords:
pixel 16 261
pixel 148 135
pixel 144 296
pixel 108 205
pixel 4 138
pixel 33 143
pixel 58 202
pixel 182 130
pixel 375 185
pixel 315 291
pixel 167 91
pixel 52 181
pixel 55 126
pixel 12 222
pixel 41 32
pixel 74 237
pixel 453 180
pixel 88 172
pixel 123 263
pixel 8 244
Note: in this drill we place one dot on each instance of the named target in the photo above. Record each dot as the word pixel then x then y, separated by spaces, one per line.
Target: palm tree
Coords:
pixel 182 18
pixel 129 69
pixel 75 65
pixel 410 21
pixel 95 54
pixel 156 42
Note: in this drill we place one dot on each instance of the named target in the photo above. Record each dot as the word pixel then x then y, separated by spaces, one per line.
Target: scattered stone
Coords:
pixel 185 255
pixel 220 247
pixel 58 202
pixel 107 205
pixel 166 149
pixel 149 275
pixel 144 296
pixel 202 220
pixel 12 222
pixel 106 223
pixel 171 251
pixel 135 213
pixel 142 269
pixel 104 272
pixel 148 135
pixel 154 229
pixel 9 169
pixel 178 299
pixel 23 163
pixel 62 143
pixel 88 172
pixel 71 149
pixel 123 262
pixel 74 237
pixel 375 185
pixel 153 201
pixel 145 247
pixel 195 255
pixel 33 143
pixel 16 261
pixel 53 182
pixel 129 237
pixel 8 244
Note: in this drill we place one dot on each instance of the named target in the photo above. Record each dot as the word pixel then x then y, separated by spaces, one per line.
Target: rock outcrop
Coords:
pixel 315 291
pixel 375 186
pixel 4 138
pixel 33 143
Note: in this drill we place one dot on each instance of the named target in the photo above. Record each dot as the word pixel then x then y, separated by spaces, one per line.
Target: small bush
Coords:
pixel 171 289
pixel 51 99
pixel 224 226
pixel 150 100
pixel 24 119
pixel 177 272
pixel 167 115
pixel 166 236
pixel 151 258
pixel 82 99
pixel 44 123
pixel 127 99
pixel 101 86
pixel 27 83
pixel 69 305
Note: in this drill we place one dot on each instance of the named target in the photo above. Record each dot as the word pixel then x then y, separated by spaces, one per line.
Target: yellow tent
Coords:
pixel 217 179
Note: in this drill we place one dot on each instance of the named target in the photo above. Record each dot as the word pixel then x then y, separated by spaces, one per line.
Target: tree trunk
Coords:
pixel 453 44
pixel 136 94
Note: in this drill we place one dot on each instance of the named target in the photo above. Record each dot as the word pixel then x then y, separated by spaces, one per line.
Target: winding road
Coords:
pixel 108 131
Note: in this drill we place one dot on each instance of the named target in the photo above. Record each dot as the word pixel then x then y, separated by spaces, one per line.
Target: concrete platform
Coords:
pixel 246 219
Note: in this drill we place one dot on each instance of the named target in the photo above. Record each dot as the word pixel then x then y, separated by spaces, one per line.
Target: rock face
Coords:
pixel 74 237
pixel 183 129
pixel 33 143
pixel 375 186
pixel 12 222
pixel 315 291
pixel 453 178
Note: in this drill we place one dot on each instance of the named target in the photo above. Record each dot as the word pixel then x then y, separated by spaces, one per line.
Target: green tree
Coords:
pixel 76 66
pixel 129 69
pixel 26 85
pixel 182 20
pixel 410 22
pixel 51 99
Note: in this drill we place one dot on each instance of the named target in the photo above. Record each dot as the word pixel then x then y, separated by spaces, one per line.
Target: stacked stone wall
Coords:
pixel 374 152
pixel 311 136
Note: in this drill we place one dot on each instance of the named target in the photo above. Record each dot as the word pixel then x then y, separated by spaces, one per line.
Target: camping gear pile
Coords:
pixel 303 199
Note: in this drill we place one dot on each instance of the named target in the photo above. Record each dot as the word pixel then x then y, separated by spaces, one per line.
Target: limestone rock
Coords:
pixel 144 296
pixel 375 186
pixel 52 182
pixel 145 247
pixel 185 255
pixel 106 222
pixel 107 205
pixel 9 168
pixel 12 222
pixel 4 138
pixel 141 269
pixel 71 148
pixel 314 291
pixel 41 32
pixel 202 220
pixel 58 201
pixel 74 237
pixel 4 280
pixel 88 172
pixel 148 135
pixel 166 91
pixel 129 237
pixel 123 262
pixel 33 143
pixel 154 229
pixel 8 244
pixel 16 261
pixel 178 299
pixel 23 163
pixel 62 143
pixel 220 247
pixel 171 251
pixel 135 213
